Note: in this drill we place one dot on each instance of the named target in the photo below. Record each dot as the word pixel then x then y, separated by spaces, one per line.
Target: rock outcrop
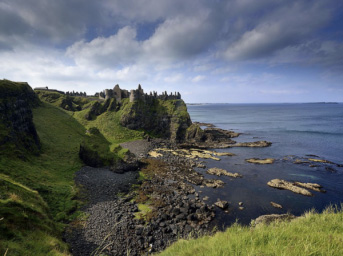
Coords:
pixel 260 161
pixel 267 219
pixel 219 172
pixel 296 187
pixel 222 204
pixel 276 205
pixel 163 118
pixel 17 130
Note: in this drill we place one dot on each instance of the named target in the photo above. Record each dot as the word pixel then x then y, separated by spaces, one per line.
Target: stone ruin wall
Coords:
pixel 137 94
pixel 120 94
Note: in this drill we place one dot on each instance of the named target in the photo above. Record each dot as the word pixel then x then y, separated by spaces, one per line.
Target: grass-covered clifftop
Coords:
pixel 124 121
pixel 310 234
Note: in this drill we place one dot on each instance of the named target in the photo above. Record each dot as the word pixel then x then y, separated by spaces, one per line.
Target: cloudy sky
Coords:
pixel 238 51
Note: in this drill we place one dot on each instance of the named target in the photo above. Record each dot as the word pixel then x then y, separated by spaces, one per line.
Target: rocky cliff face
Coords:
pixel 17 130
pixel 164 118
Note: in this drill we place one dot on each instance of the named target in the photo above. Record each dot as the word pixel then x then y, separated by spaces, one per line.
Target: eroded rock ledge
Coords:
pixel 296 187
pixel 219 172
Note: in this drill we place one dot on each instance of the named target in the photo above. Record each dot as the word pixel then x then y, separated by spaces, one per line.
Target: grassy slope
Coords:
pixel 312 234
pixel 51 174
pixel 108 125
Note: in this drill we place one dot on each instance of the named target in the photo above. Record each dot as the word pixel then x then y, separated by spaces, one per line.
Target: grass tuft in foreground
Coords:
pixel 311 234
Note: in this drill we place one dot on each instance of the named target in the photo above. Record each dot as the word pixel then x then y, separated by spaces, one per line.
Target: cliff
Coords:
pixel 17 131
pixel 162 118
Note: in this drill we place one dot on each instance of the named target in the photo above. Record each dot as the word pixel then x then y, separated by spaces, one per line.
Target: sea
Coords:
pixel 297 132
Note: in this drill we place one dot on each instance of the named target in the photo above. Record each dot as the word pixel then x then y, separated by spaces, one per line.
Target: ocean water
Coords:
pixel 297 131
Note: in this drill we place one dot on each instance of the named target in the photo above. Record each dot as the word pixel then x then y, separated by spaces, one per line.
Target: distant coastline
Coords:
pixel 250 103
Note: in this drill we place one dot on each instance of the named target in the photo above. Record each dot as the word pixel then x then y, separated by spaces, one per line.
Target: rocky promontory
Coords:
pixel 16 119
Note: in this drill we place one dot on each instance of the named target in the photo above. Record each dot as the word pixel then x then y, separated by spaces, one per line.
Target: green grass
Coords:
pixel 109 126
pixel 143 210
pixel 51 175
pixel 26 227
pixel 311 234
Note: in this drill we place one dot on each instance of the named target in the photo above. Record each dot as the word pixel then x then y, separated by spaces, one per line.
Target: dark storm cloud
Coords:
pixel 54 21
pixel 116 38
pixel 287 25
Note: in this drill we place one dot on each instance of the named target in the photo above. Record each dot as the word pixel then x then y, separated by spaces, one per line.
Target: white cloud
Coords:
pixel 174 78
pixel 117 50
pixel 198 79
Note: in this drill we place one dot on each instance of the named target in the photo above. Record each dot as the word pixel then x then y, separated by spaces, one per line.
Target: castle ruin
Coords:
pixel 135 95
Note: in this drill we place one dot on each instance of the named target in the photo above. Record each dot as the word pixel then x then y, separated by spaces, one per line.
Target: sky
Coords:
pixel 211 51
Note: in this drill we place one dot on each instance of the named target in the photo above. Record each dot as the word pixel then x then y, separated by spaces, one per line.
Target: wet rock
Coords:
pixel 224 154
pixel 259 144
pixel 260 161
pixel 201 165
pixel 299 161
pixel 312 186
pixel 282 184
pixel 213 183
pixel 240 203
pixel 222 204
pixel 320 161
pixel 275 205
pixel 205 124
pixel 219 172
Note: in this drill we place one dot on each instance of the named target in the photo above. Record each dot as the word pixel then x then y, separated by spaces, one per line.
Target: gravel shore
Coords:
pixel 101 187
pixel 110 224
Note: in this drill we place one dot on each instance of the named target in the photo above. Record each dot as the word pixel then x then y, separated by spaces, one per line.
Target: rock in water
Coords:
pixel 313 186
pixel 283 184
pixel 260 161
pixel 219 172
pixel 213 183
pixel 222 204
pixel 275 205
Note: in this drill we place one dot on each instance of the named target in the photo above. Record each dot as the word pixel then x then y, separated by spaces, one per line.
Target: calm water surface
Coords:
pixel 296 130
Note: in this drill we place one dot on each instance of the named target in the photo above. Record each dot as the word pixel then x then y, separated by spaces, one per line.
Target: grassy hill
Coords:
pixel 37 191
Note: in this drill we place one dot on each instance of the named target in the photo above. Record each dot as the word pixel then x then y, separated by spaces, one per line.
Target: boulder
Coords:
pixel 222 204
pixel 267 219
